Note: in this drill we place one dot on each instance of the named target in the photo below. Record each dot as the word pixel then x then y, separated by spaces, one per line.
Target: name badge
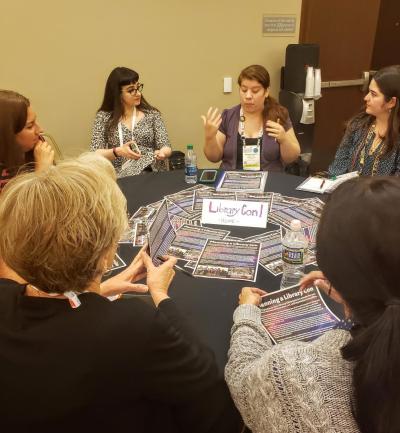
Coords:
pixel 251 158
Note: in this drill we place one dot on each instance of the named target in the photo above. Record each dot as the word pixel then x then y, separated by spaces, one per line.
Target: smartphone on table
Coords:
pixel 208 176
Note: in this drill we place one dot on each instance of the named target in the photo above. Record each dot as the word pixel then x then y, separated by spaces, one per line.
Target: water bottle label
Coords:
pixel 191 170
pixel 293 256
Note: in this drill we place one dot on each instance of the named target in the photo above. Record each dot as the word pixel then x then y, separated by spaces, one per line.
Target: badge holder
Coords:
pixel 251 158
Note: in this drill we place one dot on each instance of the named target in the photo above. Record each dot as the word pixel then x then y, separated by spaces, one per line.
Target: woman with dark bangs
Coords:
pixel 257 134
pixel 371 143
pixel 127 130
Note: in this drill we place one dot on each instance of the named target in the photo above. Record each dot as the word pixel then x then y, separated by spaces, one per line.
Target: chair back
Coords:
pixel 177 160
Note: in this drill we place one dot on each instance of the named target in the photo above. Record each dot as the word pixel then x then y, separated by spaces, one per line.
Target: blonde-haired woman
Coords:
pixel 70 358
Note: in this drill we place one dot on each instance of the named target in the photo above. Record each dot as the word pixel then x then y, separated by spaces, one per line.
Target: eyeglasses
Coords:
pixel 135 90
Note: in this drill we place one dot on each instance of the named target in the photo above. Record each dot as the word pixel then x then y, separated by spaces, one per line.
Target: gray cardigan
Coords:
pixel 290 387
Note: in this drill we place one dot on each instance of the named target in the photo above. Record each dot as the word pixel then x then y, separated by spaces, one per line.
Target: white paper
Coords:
pixel 249 181
pixel 235 213
pixel 234 260
pixel 308 115
pixel 320 186
pixel 309 90
pixel 315 184
pixel 317 83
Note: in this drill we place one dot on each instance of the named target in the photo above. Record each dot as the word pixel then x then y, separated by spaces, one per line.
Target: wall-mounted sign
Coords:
pixel 278 25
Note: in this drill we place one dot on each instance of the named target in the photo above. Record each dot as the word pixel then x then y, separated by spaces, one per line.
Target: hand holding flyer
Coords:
pixel 251 295
pixel 295 314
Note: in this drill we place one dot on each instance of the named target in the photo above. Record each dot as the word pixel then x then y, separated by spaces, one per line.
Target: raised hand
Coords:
pixel 212 121
pixel 275 130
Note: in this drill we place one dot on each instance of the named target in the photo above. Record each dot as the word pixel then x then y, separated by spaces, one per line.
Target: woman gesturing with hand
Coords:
pixel 214 139
pixel 255 135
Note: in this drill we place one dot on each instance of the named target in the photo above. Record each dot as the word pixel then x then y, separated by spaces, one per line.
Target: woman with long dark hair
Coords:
pixel 127 130
pixel 371 143
pixel 257 134
pixel 348 379
pixel 21 141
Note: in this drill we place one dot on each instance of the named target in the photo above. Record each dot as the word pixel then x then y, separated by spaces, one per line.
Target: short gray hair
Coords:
pixel 58 225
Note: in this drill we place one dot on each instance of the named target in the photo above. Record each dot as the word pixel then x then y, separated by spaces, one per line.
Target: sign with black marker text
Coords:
pixel 235 213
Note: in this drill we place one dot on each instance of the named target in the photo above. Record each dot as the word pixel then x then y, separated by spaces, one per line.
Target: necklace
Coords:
pixel 375 127
pixel 375 151
pixel 242 120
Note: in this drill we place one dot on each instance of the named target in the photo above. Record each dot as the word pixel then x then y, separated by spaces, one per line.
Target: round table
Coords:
pixel 207 303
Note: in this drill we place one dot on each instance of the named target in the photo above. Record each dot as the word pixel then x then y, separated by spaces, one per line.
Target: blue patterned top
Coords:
pixel 347 160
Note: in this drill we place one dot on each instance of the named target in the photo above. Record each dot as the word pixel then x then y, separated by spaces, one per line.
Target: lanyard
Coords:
pixel 241 129
pixel 70 295
pixel 121 139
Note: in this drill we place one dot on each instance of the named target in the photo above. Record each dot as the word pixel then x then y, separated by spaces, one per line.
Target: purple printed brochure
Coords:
pixel 294 314
pixel 231 260
pixel 160 234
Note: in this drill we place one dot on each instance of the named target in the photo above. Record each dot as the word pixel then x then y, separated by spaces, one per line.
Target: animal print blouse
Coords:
pixel 149 133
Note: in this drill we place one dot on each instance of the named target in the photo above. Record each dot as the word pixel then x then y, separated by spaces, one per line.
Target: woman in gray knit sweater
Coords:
pixel 347 380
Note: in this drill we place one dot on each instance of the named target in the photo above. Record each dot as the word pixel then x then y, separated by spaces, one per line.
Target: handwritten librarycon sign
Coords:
pixel 235 213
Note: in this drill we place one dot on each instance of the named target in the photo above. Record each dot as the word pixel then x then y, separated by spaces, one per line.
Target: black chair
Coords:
pixel 304 133
pixel 177 160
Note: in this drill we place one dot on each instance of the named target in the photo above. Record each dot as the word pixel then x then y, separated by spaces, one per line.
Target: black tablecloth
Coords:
pixel 208 303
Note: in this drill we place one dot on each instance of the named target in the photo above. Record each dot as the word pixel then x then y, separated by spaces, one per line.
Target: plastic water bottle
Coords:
pixel 294 250
pixel 190 165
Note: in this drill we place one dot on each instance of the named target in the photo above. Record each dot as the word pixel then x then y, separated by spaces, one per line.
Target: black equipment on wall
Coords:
pixel 298 57
pixel 291 96
pixel 177 160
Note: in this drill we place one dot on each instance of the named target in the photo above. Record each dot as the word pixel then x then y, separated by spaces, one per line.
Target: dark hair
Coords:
pixel 272 109
pixel 13 116
pixel 388 82
pixel 358 251
pixel 112 103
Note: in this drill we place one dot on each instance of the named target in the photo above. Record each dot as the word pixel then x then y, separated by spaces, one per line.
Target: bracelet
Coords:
pixel 115 152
